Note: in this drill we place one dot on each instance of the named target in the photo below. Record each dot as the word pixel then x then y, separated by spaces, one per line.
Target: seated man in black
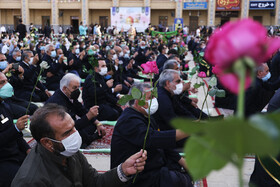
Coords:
pixel 53 74
pixel 14 75
pixel 164 165
pixel 75 59
pixel 101 93
pixel 30 66
pixel 13 147
pixel 67 96
pixel 16 57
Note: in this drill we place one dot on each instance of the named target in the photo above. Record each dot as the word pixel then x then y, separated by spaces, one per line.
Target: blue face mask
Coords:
pixel 107 77
pixel 6 91
pixel 53 54
pixel 18 58
pixel 3 65
pixel 42 48
pixel 267 77
pixel 143 47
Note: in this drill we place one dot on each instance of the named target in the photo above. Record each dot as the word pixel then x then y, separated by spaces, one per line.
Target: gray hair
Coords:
pixel 167 75
pixel 169 64
pixel 15 52
pixel 66 79
pixel 260 68
pixel 140 86
pixel 47 48
pixel 25 55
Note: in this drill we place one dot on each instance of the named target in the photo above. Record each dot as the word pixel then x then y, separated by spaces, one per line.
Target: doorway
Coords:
pixel 103 21
pixel 193 23
pixel 224 20
pixel 75 24
pixel 16 21
pixel 45 21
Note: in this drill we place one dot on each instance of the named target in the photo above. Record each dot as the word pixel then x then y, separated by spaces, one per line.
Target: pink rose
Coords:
pixel 186 66
pixel 236 40
pixel 244 38
pixel 230 81
pixel 216 70
pixel 150 67
pixel 201 74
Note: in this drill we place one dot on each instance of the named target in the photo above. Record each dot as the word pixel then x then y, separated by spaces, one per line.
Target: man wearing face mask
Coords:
pixel 13 147
pixel 16 57
pixel 52 74
pixel 258 95
pixel 143 54
pixel 163 55
pixel 30 67
pixel 164 165
pixel 67 96
pixel 58 161
pixel 75 60
pixel 17 105
pixel 170 84
pixel 101 93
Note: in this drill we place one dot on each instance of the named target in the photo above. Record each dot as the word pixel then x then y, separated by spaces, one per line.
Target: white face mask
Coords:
pixel 30 61
pixel 154 106
pixel 126 55
pixel 71 144
pixel 179 89
pixel 115 57
pixel 121 54
pixel 103 71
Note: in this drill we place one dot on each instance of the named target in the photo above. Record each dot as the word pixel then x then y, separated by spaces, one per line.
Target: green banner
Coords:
pixel 165 34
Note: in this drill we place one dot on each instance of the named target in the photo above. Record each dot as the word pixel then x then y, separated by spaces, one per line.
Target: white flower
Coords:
pixel 44 65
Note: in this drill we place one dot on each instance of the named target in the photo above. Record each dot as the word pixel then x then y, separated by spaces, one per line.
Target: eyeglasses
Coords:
pixel 2 60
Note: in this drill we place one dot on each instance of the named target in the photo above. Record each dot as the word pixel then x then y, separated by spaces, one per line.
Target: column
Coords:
pixel 116 3
pixel 147 3
pixel 211 12
pixel 277 13
pixel 55 22
pixel 25 14
pixel 179 9
pixel 85 12
pixel 244 9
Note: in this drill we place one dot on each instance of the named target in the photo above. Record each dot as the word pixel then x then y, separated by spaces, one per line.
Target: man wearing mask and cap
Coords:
pixel 164 166
pixel 56 160
pixel 13 147
pixel 100 92
pixel 67 96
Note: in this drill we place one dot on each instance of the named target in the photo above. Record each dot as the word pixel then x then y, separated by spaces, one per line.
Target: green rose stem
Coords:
pixel 206 96
pixel 149 123
pixel 240 70
pixel 203 106
pixel 26 112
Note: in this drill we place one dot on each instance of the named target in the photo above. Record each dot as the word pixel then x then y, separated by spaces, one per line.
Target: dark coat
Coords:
pixel 103 92
pixel 128 138
pixel 30 78
pixel 12 145
pixel 73 109
pixel 160 60
pixel 50 171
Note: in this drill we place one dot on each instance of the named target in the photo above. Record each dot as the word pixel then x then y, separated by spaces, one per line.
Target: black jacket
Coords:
pixel 73 109
pixel 128 138
pixel 100 89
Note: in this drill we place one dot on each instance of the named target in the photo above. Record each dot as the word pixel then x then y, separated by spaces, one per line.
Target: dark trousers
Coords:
pixel 8 170
pixel 109 112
